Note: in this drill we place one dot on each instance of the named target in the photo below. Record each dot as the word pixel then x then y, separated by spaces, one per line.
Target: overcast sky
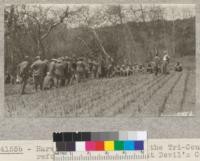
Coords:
pixel 171 11
pixel 178 9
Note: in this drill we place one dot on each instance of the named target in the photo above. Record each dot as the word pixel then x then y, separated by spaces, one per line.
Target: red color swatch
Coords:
pixel 99 146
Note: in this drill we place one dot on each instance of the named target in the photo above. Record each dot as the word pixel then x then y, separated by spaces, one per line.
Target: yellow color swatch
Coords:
pixel 109 145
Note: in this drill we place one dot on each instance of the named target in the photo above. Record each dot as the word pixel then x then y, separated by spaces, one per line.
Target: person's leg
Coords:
pixel 83 76
pixel 67 80
pixel 157 70
pixel 24 82
pixel 78 77
pixel 57 82
pixel 41 83
pixel 167 71
pixel 62 82
pixel 73 77
pixel 163 67
pixel 51 83
pixel 36 85
pixel 96 74
pixel 36 82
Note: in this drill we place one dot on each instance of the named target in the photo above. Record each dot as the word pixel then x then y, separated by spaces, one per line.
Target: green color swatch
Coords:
pixel 119 145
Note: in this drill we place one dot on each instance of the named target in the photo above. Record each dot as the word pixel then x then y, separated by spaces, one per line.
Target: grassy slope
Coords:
pixel 139 95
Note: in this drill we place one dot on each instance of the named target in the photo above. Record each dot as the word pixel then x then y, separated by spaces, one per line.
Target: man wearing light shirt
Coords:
pixel 165 62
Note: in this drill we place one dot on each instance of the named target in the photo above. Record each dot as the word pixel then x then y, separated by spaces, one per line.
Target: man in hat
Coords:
pixel 48 82
pixel 23 72
pixel 122 70
pixel 73 68
pixel 68 71
pixel 60 67
pixel 117 70
pixel 178 67
pixel 49 78
pixel 80 68
pixel 51 68
pixel 156 64
pixel 110 69
pixel 149 68
pixel 7 77
pixel 38 75
pixel 165 63
pixel 94 69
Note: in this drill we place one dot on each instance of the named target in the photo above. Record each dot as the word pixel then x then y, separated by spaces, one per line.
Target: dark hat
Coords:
pixel 81 58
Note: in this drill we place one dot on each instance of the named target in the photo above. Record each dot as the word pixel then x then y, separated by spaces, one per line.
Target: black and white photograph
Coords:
pixel 99 60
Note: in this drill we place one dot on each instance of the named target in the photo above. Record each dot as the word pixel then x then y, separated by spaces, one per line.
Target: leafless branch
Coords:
pixel 65 15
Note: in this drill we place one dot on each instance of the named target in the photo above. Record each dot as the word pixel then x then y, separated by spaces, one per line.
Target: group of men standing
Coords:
pixel 55 72
pixel 64 70
pixel 161 65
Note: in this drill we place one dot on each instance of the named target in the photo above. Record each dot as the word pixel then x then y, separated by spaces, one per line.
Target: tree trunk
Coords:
pixel 40 49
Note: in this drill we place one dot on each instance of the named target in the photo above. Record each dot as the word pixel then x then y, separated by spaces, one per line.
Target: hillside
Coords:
pixel 136 42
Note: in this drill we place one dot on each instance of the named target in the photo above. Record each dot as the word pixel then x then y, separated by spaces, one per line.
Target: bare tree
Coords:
pixel 117 16
pixel 92 22
pixel 43 26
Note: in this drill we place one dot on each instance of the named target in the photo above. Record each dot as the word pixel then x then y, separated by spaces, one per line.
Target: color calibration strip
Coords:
pixel 100 141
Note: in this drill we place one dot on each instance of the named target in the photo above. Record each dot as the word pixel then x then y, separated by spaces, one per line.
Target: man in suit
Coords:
pixel 23 71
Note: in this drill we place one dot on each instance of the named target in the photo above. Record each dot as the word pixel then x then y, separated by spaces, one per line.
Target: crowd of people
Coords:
pixel 65 70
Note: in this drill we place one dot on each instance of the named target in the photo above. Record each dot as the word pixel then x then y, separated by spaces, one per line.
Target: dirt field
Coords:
pixel 133 96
